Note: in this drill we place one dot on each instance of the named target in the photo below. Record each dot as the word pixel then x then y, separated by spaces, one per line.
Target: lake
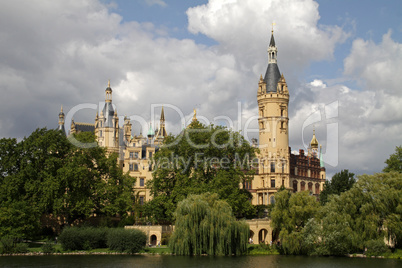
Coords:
pixel 203 261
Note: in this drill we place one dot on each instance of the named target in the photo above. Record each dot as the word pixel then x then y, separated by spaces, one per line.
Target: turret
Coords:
pixel 61 121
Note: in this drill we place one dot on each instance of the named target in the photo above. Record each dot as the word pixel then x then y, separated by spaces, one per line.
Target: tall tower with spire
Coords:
pixel 161 133
pixel 61 121
pixel 273 101
pixel 107 124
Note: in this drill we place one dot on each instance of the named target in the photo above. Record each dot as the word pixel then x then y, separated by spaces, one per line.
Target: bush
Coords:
pixel 124 240
pixel 7 245
pixel 376 247
pixel 74 238
pixel 48 247
pixel 21 248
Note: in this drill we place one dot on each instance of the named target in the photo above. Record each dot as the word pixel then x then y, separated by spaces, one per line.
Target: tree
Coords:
pixel 47 175
pixel 340 182
pixel 394 162
pixel 206 225
pixel 201 159
pixel 290 215
pixel 370 211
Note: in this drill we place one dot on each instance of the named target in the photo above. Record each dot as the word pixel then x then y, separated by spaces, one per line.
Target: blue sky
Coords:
pixel 208 55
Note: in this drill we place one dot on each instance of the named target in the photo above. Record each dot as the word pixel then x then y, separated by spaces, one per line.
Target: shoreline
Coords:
pixel 153 253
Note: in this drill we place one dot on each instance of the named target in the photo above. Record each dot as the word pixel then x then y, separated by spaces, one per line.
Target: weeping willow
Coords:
pixel 205 225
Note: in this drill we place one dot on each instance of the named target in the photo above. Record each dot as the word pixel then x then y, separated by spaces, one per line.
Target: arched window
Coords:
pixel 302 186
pixel 294 186
pixel 310 187
pixel 317 188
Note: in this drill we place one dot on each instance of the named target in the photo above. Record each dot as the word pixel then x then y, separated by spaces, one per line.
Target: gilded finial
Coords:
pixel 273 24
pixel 108 83
pixel 61 110
pixel 195 115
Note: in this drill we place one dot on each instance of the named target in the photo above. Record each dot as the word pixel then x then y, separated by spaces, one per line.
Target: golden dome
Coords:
pixel 314 141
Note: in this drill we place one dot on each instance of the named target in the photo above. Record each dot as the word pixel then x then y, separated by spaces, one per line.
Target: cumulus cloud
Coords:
pixel 63 52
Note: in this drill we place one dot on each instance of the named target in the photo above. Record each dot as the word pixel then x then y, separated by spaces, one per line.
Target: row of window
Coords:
pixel 142 182
pixel 134 167
pixel 303 187
pixel 135 155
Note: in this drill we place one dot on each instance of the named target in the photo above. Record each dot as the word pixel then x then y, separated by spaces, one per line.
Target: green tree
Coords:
pixel 340 182
pixel 206 225
pixel 45 174
pixel 394 162
pixel 289 216
pixel 201 159
pixel 370 211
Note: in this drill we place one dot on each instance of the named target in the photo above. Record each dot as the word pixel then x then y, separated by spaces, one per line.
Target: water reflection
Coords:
pixel 272 261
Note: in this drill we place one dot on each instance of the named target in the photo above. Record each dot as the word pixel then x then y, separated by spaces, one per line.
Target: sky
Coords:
pixel 342 61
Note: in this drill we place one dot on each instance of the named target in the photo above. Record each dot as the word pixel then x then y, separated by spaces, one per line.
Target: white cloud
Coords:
pixel 156 2
pixel 63 52
pixel 376 66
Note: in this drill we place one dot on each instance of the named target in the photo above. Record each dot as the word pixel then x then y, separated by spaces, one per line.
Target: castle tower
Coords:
pixel 61 121
pixel 107 124
pixel 274 156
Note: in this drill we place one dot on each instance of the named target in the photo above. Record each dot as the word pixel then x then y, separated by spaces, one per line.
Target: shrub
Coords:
pixel 74 238
pixel 21 248
pixel 376 247
pixel 48 247
pixel 7 245
pixel 124 240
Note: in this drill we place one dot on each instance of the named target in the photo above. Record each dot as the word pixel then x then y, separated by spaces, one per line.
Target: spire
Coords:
pixel 61 120
pixel 151 132
pixel 108 111
pixel 321 160
pixel 272 74
pixel 108 91
pixel 195 115
pixel 162 115
pixel 161 133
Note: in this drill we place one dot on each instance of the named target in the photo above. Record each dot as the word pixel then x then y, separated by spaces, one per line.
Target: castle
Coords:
pixel 278 166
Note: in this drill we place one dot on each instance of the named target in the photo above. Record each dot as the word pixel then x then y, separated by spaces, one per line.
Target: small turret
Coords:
pixel 61 121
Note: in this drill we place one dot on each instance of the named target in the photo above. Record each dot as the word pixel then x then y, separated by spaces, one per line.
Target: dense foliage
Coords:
pixel 394 162
pixel 355 219
pixel 45 175
pixel 122 240
pixel 205 225
pixel 338 184
pixel 118 239
pixel 201 159
pixel 74 238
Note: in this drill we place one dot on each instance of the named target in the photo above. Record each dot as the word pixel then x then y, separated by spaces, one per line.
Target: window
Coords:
pixel 302 186
pixel 272 200
pixel 150 167
pixel 310 187
pixel 272 166
pixel 150 154
pixel 283 167
pixel 142 200
pixel 135 154
pixel 131 155
pixel 131 167
pixel 100 133
pixel 272 183
pixel 294 186
pixel 317 188
pixel 142 182
pixel 247 185
pixel 135 167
